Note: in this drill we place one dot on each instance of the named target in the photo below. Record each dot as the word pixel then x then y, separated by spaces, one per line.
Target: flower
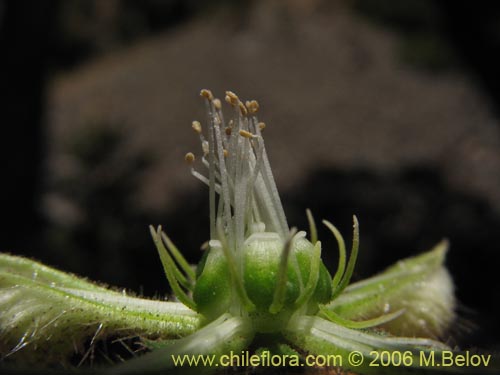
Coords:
pixel 259 282
pixel 268 279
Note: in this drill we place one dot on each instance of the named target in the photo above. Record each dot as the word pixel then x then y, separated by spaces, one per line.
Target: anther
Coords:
pixel 196 126
pixel 246 134
pixel 252 106
pixel 261 125
pixel 226 153
pixel 228 130
pixel 217 104
pixel 232 98
pixel 207 94
pixel 189 158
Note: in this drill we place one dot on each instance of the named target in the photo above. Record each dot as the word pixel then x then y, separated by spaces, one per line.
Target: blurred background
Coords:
pixel 381 108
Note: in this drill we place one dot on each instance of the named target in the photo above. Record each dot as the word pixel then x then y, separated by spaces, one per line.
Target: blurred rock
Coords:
pixel 331 89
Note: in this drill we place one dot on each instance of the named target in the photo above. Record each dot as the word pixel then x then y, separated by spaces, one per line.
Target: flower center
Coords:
pixel 255 265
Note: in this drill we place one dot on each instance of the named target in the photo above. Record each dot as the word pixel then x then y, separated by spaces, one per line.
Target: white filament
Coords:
pixel 239 172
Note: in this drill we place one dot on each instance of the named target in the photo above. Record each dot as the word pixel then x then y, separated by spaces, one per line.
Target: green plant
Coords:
pixel 259 284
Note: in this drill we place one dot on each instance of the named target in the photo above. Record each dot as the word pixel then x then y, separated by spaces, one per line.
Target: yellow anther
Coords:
pixel 189 158
pixel 207 94
pixel 226 153
pixel 232 98
pixel 252 106
pixel 243 109
pixel 261 125
pixel 246 134
pixel 217 103
pixel 196 126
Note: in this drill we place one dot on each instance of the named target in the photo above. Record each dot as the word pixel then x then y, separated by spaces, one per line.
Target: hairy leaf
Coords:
pixel 47 316
pixel 420 285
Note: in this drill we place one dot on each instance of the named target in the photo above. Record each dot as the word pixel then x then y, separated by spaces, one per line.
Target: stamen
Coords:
pixel 240 193
pixel 253 208
pixel 262 125
pixel 203 179
pixel 224 183
pixel 277 214
pixel 211 160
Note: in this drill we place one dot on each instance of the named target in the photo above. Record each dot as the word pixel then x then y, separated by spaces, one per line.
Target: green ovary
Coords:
pixel 213 293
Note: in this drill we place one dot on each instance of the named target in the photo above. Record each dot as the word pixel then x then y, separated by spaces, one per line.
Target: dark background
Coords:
pixel 98 226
